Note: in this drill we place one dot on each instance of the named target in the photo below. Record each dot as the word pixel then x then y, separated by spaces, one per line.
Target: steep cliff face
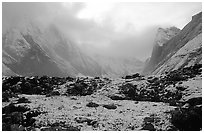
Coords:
pixel 171 50
pixel 162 36
pixel 186 56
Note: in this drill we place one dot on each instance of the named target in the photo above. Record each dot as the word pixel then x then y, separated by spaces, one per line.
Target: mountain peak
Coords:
pixel 197 16
pixel 163 35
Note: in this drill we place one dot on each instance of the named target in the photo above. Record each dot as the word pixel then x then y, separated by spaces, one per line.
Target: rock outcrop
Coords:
pixel 184 49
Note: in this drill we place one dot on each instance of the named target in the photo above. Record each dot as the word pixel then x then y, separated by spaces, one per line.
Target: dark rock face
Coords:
pixel 187 119
pixel 162 37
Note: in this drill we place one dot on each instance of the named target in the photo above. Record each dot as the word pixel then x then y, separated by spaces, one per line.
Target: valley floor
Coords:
pixel 106 109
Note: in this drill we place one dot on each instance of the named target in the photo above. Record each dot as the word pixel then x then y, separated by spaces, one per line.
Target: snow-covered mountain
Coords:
pixel 182 49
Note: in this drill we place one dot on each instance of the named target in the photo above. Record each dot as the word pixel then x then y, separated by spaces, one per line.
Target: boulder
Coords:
pixel 92 104
pixel 149 127
pixel 88 120
pixel 110 106
pixel 181 87
pixel 16 117
pixel 128 90
pixel 38 90
pixel 194 101
pixel 117 97
pixel 23 100
pixel 53 93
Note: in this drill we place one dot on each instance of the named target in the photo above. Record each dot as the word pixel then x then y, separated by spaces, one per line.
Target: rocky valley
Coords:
pixel 157 103
pixel 50 84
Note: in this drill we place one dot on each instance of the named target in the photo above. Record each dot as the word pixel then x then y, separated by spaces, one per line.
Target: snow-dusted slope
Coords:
pixel 29 50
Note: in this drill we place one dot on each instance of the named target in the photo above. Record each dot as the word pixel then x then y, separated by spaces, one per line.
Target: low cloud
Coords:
pixel 116 29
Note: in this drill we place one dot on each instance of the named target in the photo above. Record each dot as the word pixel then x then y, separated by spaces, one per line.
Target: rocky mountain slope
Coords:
pixel 28 50
pixel 180 50
pixel 33 51
pixel 188 55
pixel 7 71
pixel 162 36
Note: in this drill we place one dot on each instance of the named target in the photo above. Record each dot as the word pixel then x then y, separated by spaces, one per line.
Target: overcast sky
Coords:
pixel 121 29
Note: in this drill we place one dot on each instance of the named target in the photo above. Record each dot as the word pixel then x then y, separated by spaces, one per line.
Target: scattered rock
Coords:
pixel 16 118
pixel 53 93
pixel 181 87
pixel 149 127
pixel 17 127
pixel 23 100
pixel 148 119
pixel 92 104
pixel 128 90
pixel 73 98
pixel 59 127
pixel 5 96
pixel 137 75
pixel 110 106
pixel 13 108
pixel 171 128
pixel 82 119
pixel 83 87
pixel 117 97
